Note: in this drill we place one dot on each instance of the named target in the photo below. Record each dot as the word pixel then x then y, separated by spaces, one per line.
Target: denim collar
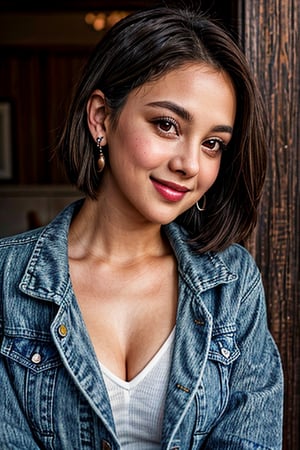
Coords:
pixel 47 274
pixel 200 271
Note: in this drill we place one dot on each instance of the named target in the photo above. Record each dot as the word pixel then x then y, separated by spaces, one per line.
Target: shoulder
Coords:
pixel 234 267
pixel 235 257
pixel 238 258
pixel 16 250
pixel 20 239
pixel 19 245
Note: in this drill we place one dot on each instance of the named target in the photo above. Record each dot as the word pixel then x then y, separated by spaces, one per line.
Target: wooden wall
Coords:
pixel 40 60
pixel 38 82
pixel 270 32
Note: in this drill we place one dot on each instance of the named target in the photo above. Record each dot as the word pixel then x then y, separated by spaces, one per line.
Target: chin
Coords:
pixel 168 218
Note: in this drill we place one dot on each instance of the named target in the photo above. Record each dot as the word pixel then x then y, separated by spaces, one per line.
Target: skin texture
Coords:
pixel 164 155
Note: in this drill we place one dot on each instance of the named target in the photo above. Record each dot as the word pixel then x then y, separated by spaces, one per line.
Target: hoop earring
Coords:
pixel 101 157
pixel 203 204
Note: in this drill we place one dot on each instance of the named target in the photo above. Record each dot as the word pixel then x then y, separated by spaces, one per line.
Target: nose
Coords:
pixel 186 161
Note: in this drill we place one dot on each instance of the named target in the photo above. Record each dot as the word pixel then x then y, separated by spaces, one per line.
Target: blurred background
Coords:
pixel 42 50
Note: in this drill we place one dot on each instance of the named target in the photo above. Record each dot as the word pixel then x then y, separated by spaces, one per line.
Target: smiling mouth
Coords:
pixel 170 191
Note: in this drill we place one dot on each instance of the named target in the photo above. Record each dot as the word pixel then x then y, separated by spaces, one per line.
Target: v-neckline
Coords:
pixel 127 385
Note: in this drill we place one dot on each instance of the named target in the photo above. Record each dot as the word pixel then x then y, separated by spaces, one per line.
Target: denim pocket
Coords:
pixel 31 353
pixel 33 367
pixel 213 394
pixel 223 348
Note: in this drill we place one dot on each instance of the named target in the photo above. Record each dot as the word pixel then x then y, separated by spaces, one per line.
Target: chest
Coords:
pixel 129 312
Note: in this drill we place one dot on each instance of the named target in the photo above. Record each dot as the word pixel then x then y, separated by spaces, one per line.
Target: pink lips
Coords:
pixel 170 191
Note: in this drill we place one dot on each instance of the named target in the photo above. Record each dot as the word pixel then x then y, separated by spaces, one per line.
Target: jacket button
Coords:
pixel 105 445
pixel 225 352
pixel 36 358
pixel 62 330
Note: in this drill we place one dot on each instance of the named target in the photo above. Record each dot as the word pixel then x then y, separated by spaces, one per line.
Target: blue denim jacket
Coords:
pixel 225 388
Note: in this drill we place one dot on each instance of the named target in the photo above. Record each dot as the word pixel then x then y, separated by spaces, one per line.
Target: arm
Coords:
pixel 253 416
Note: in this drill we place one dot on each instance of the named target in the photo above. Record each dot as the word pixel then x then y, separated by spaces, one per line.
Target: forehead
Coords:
pixel 194 86
pixel 193 75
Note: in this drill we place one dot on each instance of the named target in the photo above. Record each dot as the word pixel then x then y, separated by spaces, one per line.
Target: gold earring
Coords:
pixel 203 204
pixel 101 157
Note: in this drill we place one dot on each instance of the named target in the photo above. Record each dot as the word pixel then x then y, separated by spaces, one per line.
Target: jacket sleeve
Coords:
pixel 253 417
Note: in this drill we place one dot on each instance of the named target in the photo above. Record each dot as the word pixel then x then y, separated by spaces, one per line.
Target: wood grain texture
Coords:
pixel 270 33
pixel 39 82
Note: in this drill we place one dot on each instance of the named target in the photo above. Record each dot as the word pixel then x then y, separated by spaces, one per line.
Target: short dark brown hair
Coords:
pixel 141 48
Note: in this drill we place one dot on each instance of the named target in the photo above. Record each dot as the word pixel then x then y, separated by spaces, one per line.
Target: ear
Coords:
pixel 96 115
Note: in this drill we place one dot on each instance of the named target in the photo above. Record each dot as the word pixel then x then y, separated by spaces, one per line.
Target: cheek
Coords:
pixel 142 151
pixel 126 148
pixel 209 173
pixel 216 170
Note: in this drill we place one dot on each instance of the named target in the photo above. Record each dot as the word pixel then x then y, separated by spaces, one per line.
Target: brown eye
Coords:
pixel 214 145
pixel 166 125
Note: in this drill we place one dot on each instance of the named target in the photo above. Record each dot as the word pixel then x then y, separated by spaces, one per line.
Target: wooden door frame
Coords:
pixel 269 33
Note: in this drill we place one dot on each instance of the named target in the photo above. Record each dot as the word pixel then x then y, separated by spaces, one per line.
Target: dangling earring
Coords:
pixel 203 204
pixel 101 157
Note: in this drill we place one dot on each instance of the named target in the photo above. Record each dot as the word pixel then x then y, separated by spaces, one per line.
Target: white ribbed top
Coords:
pixel 138 405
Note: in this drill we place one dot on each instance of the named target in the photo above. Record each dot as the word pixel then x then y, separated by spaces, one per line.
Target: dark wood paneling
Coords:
pixel 224 9
pixel 38 78
pixel 272 44
pixel 72 5
pixel 39 84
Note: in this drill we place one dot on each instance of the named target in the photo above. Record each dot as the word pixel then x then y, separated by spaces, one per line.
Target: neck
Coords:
pixel 105 235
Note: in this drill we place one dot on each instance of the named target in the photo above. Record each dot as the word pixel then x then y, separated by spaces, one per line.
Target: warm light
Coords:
pixel 99 22
pixel 89 18
pixel 114 17
pixel 102 20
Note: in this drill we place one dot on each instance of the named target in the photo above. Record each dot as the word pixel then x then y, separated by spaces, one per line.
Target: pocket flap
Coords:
pixel 31 353
pixel 223 346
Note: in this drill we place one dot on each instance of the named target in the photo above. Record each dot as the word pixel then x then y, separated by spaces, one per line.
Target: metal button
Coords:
pixel 105 445
pixel 62 330
pixel 225 352
pixel 36 358
pixel 199 322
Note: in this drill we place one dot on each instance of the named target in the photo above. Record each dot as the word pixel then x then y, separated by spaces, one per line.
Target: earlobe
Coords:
pixel 96 114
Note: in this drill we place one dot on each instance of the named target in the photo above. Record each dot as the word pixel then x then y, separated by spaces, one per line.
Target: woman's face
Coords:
pixel 166 149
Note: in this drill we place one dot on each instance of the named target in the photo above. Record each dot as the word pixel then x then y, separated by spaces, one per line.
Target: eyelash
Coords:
pixel 219 141
pixel 166 120
pixel 172 122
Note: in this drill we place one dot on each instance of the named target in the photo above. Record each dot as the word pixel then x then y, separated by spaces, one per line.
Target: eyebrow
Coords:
pixel 223 129
pixel 184 114
pixel 179 110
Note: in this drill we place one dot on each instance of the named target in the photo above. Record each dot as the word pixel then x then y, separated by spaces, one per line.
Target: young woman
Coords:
pixel 136 319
